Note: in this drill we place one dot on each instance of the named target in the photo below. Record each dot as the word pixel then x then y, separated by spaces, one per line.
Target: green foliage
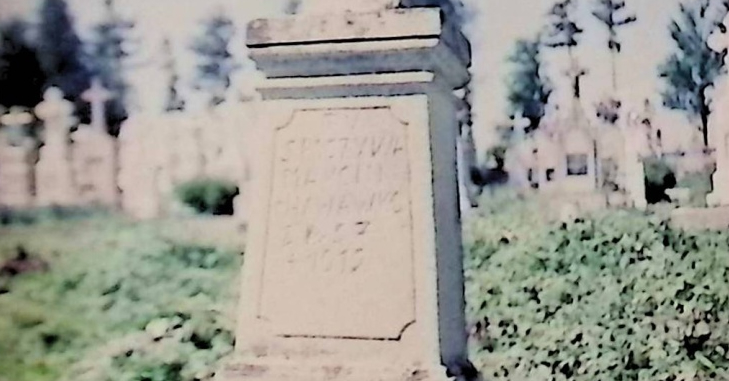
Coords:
pixel 20 68
pixel 216 64
pixel 622 296
pixel 693 66
pixel 120 302
pixel 61 51
pixel 699 183
pixel 528 90
pixel 45 215
pixel 208 196
pixel 611 14
pixel 111 50
pixel 563 31
pixel 659 176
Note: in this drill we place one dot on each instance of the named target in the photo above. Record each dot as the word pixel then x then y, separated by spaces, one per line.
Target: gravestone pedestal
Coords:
pixel 354 260
pixel 17 175
pixel 95 167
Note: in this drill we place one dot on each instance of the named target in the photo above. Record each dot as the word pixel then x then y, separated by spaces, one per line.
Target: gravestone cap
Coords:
pixel 17 117
pixel 54 106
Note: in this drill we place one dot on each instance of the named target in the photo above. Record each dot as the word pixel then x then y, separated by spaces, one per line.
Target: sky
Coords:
pixel 494 27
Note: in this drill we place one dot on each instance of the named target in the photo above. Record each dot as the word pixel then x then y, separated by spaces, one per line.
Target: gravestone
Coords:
pixel 54 174
pixel 632 166
pixel 95 154
pixel 17 159
pixel 138 170
pixel 354 260
pixel 719 127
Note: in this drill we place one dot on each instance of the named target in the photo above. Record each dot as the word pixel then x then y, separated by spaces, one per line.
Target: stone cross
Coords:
pixel 97 95
pixel 55 112
pixel 575 74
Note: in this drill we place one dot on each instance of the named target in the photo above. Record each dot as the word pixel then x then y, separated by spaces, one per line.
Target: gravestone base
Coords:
pixel 94 166
pixel 283 371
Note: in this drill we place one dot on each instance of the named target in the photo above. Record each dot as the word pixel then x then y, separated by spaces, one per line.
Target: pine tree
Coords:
pixel 61 51
pixel 111 49
pixel 216 64
pixel 563 31
pixel 21 76
pixel 611 13
pixel 528 90
pixel 174 101
pixel 693 66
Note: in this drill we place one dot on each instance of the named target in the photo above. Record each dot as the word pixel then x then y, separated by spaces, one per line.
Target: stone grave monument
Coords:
pixel 719 127
pixel 354 259
pixel 633 169
pixel 17 159
pixel 54 175
pixel 95 154
pixel 138 173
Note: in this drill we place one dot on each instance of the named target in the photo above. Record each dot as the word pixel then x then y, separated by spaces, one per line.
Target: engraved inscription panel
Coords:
pixel 338 259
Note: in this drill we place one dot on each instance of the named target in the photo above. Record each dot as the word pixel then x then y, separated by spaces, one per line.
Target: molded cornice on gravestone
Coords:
pixel 350 44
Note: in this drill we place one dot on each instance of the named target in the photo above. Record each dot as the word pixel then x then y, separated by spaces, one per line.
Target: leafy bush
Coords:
pixel 119 302
pixel 208 196
pixel 699 183
pixel 48 214
pixel 619 297
pixel 659 176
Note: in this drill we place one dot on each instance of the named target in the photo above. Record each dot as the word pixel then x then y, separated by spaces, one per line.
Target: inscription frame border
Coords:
pixel 291 114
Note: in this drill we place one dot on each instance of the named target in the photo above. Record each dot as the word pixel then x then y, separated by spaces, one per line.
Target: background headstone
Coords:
pixel 17 159
pixel 54 175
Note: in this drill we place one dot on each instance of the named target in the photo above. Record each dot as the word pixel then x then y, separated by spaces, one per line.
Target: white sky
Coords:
pixel 497 24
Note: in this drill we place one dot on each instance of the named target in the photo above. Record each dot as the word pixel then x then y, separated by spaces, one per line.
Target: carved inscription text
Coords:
pixel 340 231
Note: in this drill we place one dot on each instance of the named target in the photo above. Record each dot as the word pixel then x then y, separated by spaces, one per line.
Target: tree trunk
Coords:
pixel 705 112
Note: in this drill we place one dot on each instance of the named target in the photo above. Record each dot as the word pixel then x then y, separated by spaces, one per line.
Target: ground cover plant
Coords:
pixel 105 299
pixel 619 296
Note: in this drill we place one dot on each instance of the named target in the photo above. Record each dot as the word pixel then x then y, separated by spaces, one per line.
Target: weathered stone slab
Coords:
pixel 354 262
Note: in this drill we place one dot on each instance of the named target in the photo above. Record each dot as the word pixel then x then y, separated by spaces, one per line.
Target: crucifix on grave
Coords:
pixel 97 96
pixel 575 73
pixel 15 120
pixel 57 115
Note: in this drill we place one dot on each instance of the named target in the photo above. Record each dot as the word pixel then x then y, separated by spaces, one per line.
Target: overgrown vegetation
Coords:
pixel 621 296
pixel 659 177
pixel 208 196
pixel 111 300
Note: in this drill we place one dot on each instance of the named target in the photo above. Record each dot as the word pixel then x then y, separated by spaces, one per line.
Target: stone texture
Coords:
pixel 354 266
pixel 54 175
pixel 18 156
pixel 95 167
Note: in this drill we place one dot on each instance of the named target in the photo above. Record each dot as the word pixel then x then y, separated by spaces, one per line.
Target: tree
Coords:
pixel 61 51
pixel 563 31
pixel 216 64
pixel 174 101
pixel 693 66
pixel 611 13
pixel 528 90
pixel 21 76
pixel 111 50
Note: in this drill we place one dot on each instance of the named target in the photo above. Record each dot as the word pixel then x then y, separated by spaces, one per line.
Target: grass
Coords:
pixel 110 283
